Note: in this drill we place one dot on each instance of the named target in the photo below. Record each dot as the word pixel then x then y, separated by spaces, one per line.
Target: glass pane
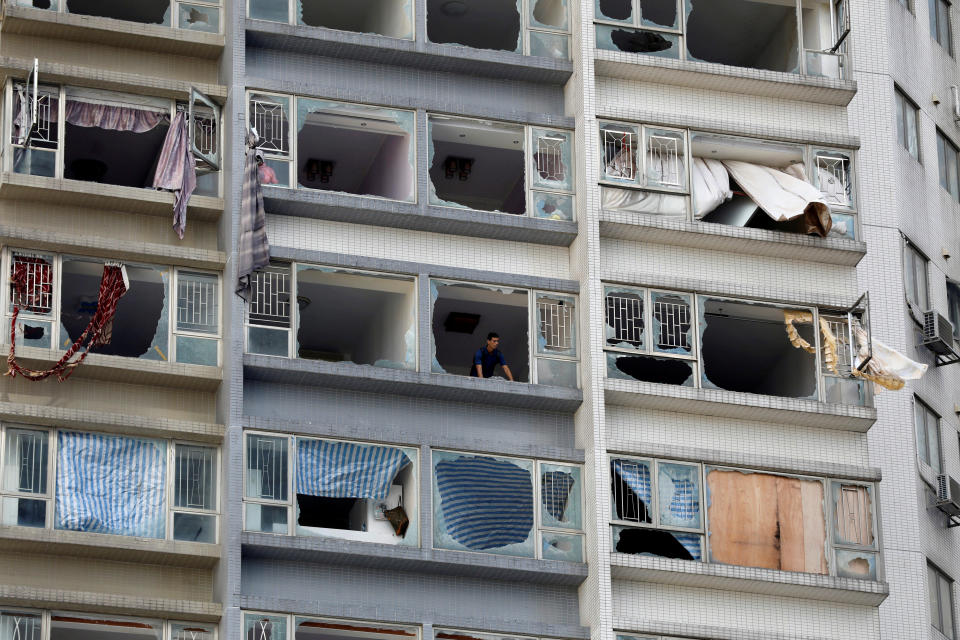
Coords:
pixel 665 159
pixel 672 323
pixel 20 626
pixel 266 518
pixel 933 596
pixel 552 206
pixel 901 118
pixel 268 342
pixel 560 503
pixel 31 288
pixel 270 115
pixel 920 422
pixel 273 10
pixel 853 515
pixel 619 146
pixel 24 512
pixel 35 162
pixel 192 350
pixel 632 487
pixel 266 467
pixel 678 492
pixel 193 631
pixel 833 175
pixel 557 373
pixel 274 171
pixel 550 45
pixel 844 225
pixel 946 606
pixel 823 64
pixel 200 18
pixel 198 302
pixel 933 439
pixel 552 160
pixel 556 319
pixel 861 565
pixel 261 627
pixel 195 527
pixel 270 297
pixel 624 325
pixel 34 333
pixel 910 123
pixel 663 45
pixel 561 546
pixel 25 462
pixel 195 479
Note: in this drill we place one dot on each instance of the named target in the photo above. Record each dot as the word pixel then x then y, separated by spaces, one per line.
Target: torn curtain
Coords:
pixel 346 470
pixel 176 170
pixel 254 250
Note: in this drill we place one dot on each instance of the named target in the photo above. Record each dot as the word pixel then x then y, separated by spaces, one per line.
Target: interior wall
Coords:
pixel 485 24
pixel 385 336
pixel 391 173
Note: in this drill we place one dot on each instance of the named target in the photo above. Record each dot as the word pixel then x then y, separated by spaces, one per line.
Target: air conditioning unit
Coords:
pixel 938 337
pixel 948 498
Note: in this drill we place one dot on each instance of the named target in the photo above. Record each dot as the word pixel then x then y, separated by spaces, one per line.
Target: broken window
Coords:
pixel 194 15
pixel 269 117
pixel 35 301
pixel 340 489
pixel 767 521
pixel 25 497
pixel 65 626
pixel 758 34
pixel 499 25
pixel 465 314
pixel 319 629
pixel 649 335
pixel 854 540
pixel 393 18
pixel 656 508
pixel 268 312
pixel 479 164
pixel 486 503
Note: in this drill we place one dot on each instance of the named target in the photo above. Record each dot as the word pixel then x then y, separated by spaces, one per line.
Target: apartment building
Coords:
pixel 255 250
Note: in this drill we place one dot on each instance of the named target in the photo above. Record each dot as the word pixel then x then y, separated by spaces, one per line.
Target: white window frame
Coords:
pixel 934 572
pixel 936 457
pixel 290 623
pixel 56 338
pixel 175 309
pixel 912 258
pixel 292 11
pixel 169 484
pixel 174 14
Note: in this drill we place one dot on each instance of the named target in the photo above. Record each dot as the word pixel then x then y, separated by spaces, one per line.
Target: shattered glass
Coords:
pixel 548 14
pixel 552 206
pixel 552 159
pixel 656 542
pixel 663 45
pixel 561 546
pixel 391 18
pixel 650 369
pixel 678 494
pixel 549 45
pixel 272 10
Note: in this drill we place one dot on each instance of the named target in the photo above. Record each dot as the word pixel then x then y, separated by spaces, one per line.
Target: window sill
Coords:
pixel 718 237
pixel 725 78
pixel 340 207
pixel 15 595
pixel 60 191
pixel 743 406
pixel 108 31
pixel 367 47
pixel 109 547
pixel 704 575
pixel 370 379
pixel 402 558
pixel 127 370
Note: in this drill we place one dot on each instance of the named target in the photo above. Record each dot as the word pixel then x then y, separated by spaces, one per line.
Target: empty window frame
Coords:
pixel 501 167
pixel 792 37
pixel 907 111
pixel 278 626
pixel 940 27
pixel 670 172
pixel 927 424
pixel 341 315
pixel 347 148
pixel 915 281
pixel 193 15
pixel 940 598
pixel 656 508
pixel 106 137
pixel 947 157
pixel 531 27
pixel 303 486
pixel 953 306
pixel 508 506
pixel 463 314
pixel 61 299
pixel 391 18
pixel 36 624
pixel 854 521
pixel 105 483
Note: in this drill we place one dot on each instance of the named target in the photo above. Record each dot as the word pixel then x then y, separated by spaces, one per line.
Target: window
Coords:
pixel 500 167
pixel 928 434
pixel 940 595
pixel 855 542
pixel 731 179
pixel 194 15
pixel 718 343
pixel 331 488
pixel 393 18
pixel 29 624
pixel 915 279
pixel 730 32
pixel 267 626
pixel 907 122
pixel 108 484
pixel 947 154
pixel 953 304
pixel 500 26
pixel 940 28
pixel 106 137
pixel 60 299
pixel 509 506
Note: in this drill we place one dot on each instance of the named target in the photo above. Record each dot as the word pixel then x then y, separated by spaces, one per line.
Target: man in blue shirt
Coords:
pixel 487 357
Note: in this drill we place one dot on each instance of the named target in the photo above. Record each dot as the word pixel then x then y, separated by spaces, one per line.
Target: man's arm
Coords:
pixel 479 370
pixel 506 370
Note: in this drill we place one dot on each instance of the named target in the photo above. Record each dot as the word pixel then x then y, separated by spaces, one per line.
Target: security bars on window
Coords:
pixel 31 448
pixel 549 157
pixel 625 316
pixel 17 626
pixel 194 476
pixel 197 303
pixel 666 151
pixel 270 297
pixel 555 324
pixel 619 152
pixel 37 294
pixel 265 457
pixel 630 507
pixel 189 633
pixel 840 328
pixel 205 134
pixel 837 168
pixel 269 118
pixel 675 320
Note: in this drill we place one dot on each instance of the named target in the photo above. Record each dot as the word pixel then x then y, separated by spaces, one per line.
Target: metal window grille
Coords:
pixel 262 630
pixel 549 158
pixel 43 132
pixel 198 305
pixel 673 315
pixel 205 133
pixel 556 323
pixel 833 174
pixel 194 478
pixel 663 154
pixel 31 452
pixel 19 626
pixel 853 515
pixel 270 297
pixel 270 120
pixel 625 317
pixel 620 154
pixel 191 633
pixel 266 459
pixel 629 505
pixel 37 293
pixel 841 329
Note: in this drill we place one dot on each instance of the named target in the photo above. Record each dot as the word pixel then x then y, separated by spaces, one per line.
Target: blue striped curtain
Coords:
pixel 555 489
pixel 637 476
pixel 110 484
pixel 486 503
pixel 347 470
pixel 692 542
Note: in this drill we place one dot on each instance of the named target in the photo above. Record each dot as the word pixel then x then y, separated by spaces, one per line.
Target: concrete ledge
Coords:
pixel 103 247
pixel 78 544
pixel 704 575
pixel 96 77
pixel 340 207
pixel 344 375
pixel 432 561
pixel 367 47
pixel 93 602
pixel 724 78
pixel 17 186
pixel 734 404
pixel 122 369
pixel 718 237
pixel 66 417
pixel 426 437
pixel 118 33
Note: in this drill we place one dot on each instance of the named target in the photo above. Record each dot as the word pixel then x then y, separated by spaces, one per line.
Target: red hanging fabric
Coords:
pixel 113 285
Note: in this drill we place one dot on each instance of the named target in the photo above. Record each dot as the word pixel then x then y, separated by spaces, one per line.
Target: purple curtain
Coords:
pixel 88 114
pixel 254 250
pixel 177 171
